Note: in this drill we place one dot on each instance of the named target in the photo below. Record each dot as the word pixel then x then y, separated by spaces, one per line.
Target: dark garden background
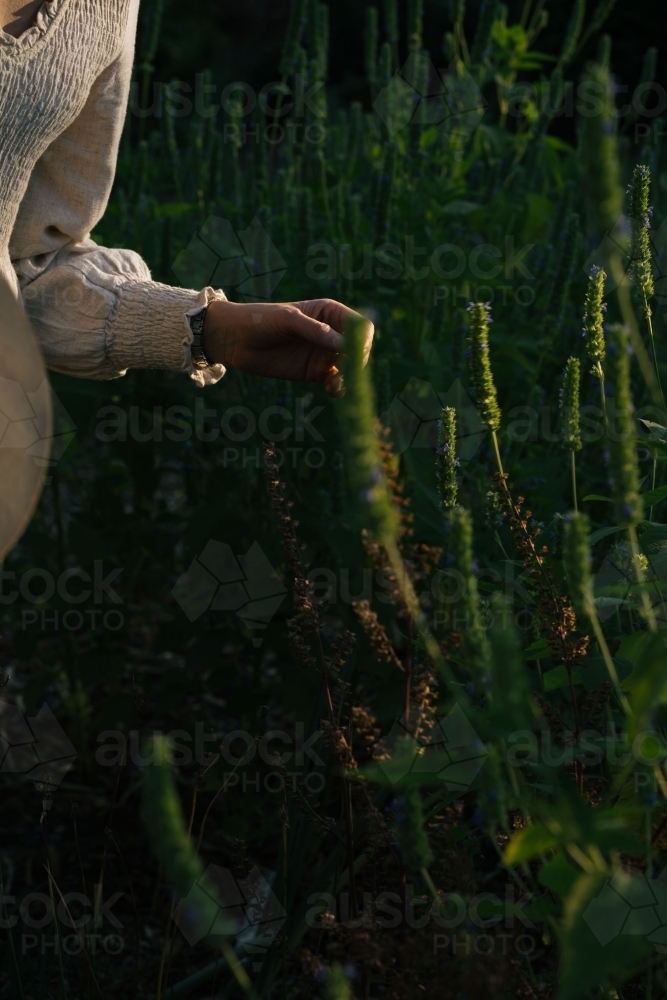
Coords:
pixel 362 698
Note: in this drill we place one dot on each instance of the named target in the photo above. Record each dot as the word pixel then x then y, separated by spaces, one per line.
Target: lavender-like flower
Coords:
pixel 570 405
pixel 594 312
pixel 476 643
pixel 447 462
pixel 640 214
pixel 480 364
pixel 578 563
pixel 623 453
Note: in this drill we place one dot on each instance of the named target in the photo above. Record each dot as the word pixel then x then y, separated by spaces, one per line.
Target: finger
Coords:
pixel 313 330
pixel 333 385
pixel 338 316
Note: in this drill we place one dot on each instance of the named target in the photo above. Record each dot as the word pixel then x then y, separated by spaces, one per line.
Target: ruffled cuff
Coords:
pixel 150 328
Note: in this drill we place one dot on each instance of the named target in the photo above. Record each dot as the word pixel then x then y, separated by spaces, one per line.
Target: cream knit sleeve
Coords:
pixel 96 312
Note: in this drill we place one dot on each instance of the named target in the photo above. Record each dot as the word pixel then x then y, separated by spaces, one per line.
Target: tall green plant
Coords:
pixel 475 641
pixel 447 462
pixel 571 417
pixel 163 819
pixel 624 464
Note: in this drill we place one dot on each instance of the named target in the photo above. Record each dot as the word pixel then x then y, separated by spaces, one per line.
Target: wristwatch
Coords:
pixel 199 359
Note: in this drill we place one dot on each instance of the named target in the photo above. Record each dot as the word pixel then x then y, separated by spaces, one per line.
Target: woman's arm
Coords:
pixel 97 313
pixel 299 341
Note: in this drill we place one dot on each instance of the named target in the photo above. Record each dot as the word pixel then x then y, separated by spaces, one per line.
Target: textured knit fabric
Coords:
pixel 64 88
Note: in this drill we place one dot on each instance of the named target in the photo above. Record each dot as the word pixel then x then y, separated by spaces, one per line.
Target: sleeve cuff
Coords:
pixel 150 328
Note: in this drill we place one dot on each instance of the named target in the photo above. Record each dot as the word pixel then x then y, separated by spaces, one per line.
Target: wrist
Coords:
pixel 216 326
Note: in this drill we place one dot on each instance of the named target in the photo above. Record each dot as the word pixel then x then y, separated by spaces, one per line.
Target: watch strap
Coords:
pixel 199 359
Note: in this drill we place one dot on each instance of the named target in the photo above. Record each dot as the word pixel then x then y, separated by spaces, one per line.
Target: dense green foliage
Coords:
pixel 493 747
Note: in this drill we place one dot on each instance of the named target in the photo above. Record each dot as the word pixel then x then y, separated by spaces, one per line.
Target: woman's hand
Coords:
pixel 297 341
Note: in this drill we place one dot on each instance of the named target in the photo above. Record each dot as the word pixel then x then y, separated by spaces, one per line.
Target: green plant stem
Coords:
pixel 84 891
pixel 239 973
pixel 284 936
pixel 12 952
pixel 630 320
pixel 649 324
pixel 56 935
pixel 526 12
pixel 496 448
pixel 647 607
pixel 600 375
pixel 426 875
pixel 502 547
pixel 609 662
pixel 80 937
pixel 653 481
pixel 170 933
pixel 407 676
pixel 325 190
pixel 345 790
pixel 573 463
pixel 347 814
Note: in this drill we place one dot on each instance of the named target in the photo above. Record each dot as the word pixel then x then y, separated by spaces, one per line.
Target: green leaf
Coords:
pixel 594 947
pixel 654 497
pixel 558 678
pixel 657 431
pixel 558 144
pixel 529 842
pixel 460 207
pixel 649 499
pixel 595 672
pixel 656 446
pixel 632 646
pixel 559 875
pixel 597 536
pixel 539 650
pixel 647 683
pixel 654 539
